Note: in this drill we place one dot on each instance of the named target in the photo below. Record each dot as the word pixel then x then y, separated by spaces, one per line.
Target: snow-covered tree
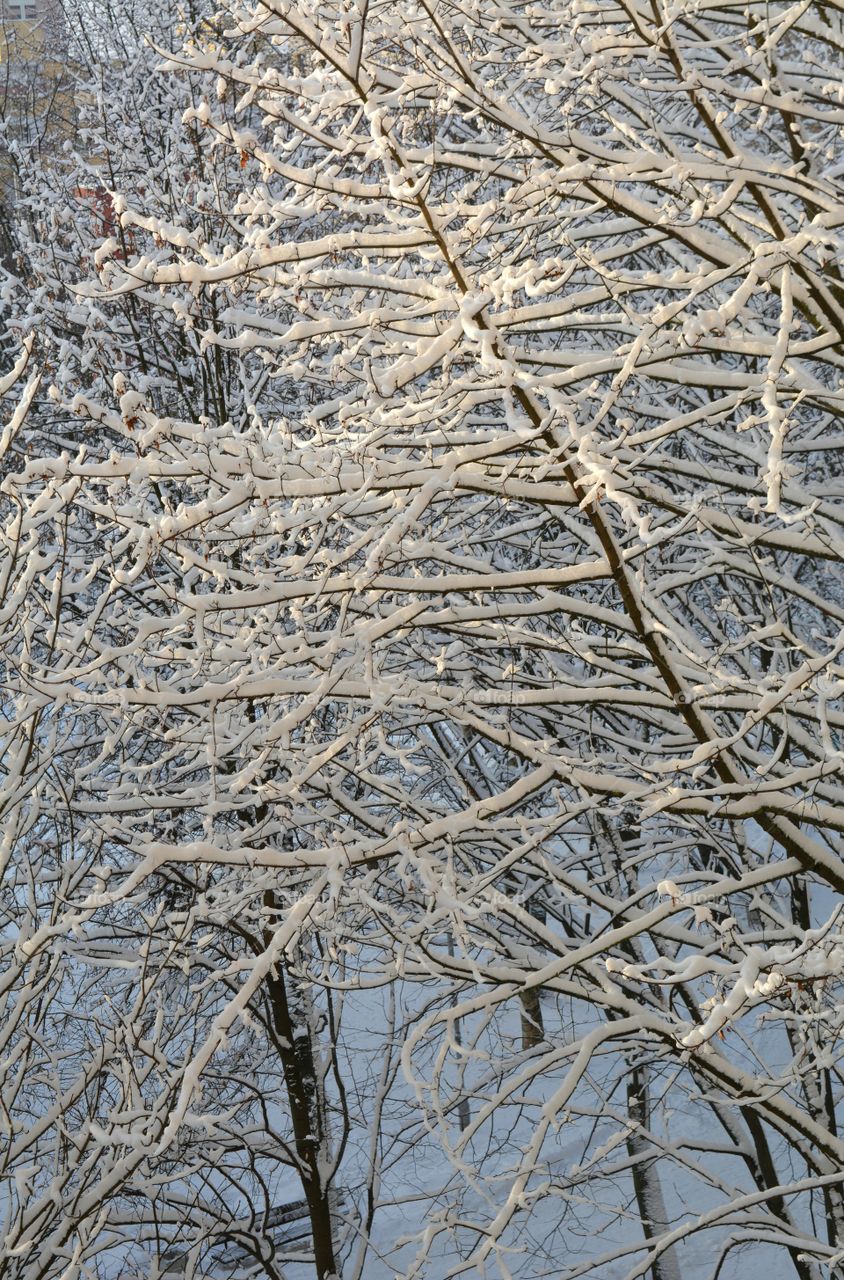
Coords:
pixel 435 610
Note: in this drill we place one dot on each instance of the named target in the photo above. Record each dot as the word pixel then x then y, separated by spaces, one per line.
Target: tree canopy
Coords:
pixel 422 628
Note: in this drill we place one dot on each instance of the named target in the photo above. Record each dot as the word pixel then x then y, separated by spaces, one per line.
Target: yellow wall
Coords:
pixel 21 41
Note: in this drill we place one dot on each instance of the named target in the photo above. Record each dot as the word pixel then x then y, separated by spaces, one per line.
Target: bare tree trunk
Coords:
pixel 304 1091
pixel 533 1032
pixel 533 1028
pixel 646 1182
pixel 464 1110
